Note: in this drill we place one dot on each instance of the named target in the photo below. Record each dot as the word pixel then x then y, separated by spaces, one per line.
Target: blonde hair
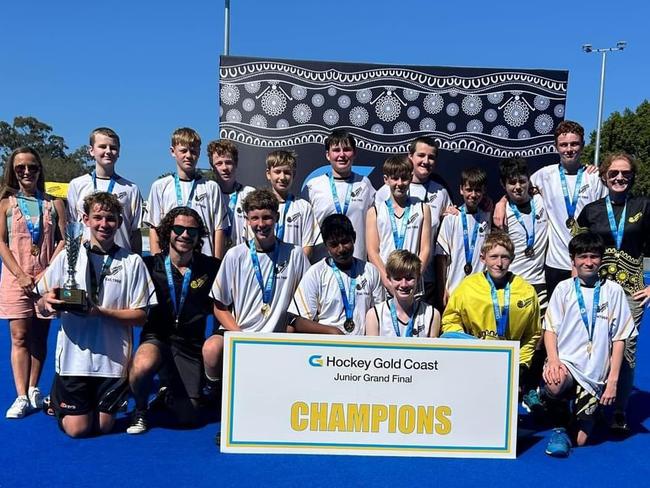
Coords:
pixel 281 158
pixel 185 136
pixel 498 238
pixel 401 263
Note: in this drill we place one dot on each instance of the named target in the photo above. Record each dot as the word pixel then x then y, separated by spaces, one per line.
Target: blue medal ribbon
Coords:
pixel 571 203
pixel 179 194
pixel 34 229
pixel 349 296
pixel 279 229
pixel 468 245
pixel 617 232
pixel 187 278
pixel 501 314
pixel 335 196
pixel 393 315
pixel 583 308
pixel 232 204
pixel 111 183
pixel 268 285
pixel 530 236
pixel 398 236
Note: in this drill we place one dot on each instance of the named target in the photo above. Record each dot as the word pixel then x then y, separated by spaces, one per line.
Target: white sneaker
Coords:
pixel 35 398
pixel 19 408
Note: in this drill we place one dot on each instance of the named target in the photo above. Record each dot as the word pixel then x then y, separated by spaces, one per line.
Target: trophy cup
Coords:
pixel 74 298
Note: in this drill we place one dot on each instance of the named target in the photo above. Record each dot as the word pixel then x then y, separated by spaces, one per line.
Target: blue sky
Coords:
pixel 145 68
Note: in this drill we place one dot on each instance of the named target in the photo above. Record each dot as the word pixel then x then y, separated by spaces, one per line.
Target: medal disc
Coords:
pixel 35 250
pixel 266 310
pixel 349 325
pixel 468 269
pixel 529 252
pixel 570 222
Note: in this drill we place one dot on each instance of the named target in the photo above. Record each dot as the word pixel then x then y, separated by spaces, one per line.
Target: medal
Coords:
pixel 177 302
pixel 469 245
pixel 571 203
pixel 530 236
pixel 589 348
pixel 349 325
pixel 34 230
pixel 35 250
pixel 468 269
pixel 266 310
pixel 591 327
pixel 501 314
pixel 267 286
pixel 570 222
pixel 529 252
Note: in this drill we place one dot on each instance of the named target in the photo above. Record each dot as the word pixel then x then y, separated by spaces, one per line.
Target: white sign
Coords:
pixel 317 394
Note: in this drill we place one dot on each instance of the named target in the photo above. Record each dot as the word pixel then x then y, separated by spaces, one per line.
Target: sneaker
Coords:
pixel 19 408
pixel 35 398
pixel 138 422
pixel 559 445
pixel 619 424
pixel 48 409
pixel 212 392
pixel 532 402
pixel 161 400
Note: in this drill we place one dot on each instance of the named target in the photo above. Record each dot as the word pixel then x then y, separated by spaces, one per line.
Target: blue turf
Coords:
pixel 34 451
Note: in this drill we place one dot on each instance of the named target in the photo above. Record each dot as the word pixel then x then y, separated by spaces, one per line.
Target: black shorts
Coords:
pixel 585 405
pixel 81 395
pixel 182 366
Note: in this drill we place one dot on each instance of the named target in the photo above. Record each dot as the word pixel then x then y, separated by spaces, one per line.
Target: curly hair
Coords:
pixel 164 229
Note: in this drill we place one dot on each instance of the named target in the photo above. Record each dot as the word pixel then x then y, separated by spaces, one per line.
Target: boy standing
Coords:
pixel 341 191
pixel 105 150
pixel 93 349
pixel 334 294
pixel 400 222
pixel 187 188
pixel 496 304
pixel 585 327
pixel 224 158
pixel 256 280
pixel 462 235
pixel 296 224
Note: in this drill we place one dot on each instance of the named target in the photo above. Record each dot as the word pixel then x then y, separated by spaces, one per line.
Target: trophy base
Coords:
pixel 75 300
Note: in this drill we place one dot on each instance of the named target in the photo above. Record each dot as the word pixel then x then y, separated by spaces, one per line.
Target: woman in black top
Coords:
pixel 623 221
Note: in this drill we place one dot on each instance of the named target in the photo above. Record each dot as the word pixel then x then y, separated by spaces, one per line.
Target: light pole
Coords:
pixel 620 45
pixel 226 28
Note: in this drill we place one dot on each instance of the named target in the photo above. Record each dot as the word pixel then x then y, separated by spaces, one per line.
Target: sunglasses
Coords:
pixel 179 230
pixel 24 168
pixel 612 173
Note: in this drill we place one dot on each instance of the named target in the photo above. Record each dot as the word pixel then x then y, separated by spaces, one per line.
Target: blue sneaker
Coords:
pixel 559 445
pixel 532 402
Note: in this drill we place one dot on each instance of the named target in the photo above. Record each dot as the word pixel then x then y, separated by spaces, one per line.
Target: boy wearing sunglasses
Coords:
pixel 172 337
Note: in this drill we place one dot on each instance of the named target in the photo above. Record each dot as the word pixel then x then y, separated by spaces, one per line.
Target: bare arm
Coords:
pixel 308 250
pixel 434 328
pixel 499 216
pixel 425 237
pixel 609 395
pixel 372 324
pixel 154 242
pixel 310 327
pixel 224 317
pixel 372 245
pixel 219 243
pixel 25 281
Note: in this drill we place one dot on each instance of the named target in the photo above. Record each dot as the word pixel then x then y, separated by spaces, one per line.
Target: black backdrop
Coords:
pixel 477 115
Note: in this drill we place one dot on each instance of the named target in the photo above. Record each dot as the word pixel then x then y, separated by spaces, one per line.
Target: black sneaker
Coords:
pixel 619 424
pixel 212 392
pixel 138 422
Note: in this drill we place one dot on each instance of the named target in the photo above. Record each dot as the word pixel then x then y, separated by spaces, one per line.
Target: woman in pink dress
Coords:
pixel 30 224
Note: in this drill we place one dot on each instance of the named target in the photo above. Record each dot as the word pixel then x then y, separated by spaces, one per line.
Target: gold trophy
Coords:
pixel 76 300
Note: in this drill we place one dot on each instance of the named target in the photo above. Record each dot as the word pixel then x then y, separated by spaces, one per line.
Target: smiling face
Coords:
pixel 27 170
pixel 619 177
pixel 262 224
pixel 497 262
pixel 103 225
pixel 281 178
pixel 423 160
pixel 184 234
pixel 517 189
pixel 587 265
pixel 403 287
pixel 569 145
pixel 341 157
pixel 399 186
pixel 105 151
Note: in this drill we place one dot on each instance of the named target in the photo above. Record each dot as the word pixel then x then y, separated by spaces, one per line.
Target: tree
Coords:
pixel 59 164
pixel 627 132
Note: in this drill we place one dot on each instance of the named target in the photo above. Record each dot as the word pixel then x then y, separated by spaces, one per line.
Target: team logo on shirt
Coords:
pixel 293 218
pixel 413 218
pixel 482 228
pixel 121 195
pixel 357 192
pixel 635 218
pixel 199 282
pixel 114 270
pixel 200 198
pixel 362 284
pixel 583 188
pixel 280 267
pixel 525 303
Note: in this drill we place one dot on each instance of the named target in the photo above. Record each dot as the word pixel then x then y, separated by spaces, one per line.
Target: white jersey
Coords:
pixel 432 193
pixel 126 192
pixel 422 320
pixel 317 191
pixel 613 323
pixel 547 179
pixel 413 231
pixel 236 285
pixel 299 223
pixel 98 345
pixel 451 243
pixel 238 224
pixel 529 268
pixel 207 201
pixel 318 296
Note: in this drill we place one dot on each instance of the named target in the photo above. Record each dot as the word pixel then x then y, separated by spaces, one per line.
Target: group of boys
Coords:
pixel 245 255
